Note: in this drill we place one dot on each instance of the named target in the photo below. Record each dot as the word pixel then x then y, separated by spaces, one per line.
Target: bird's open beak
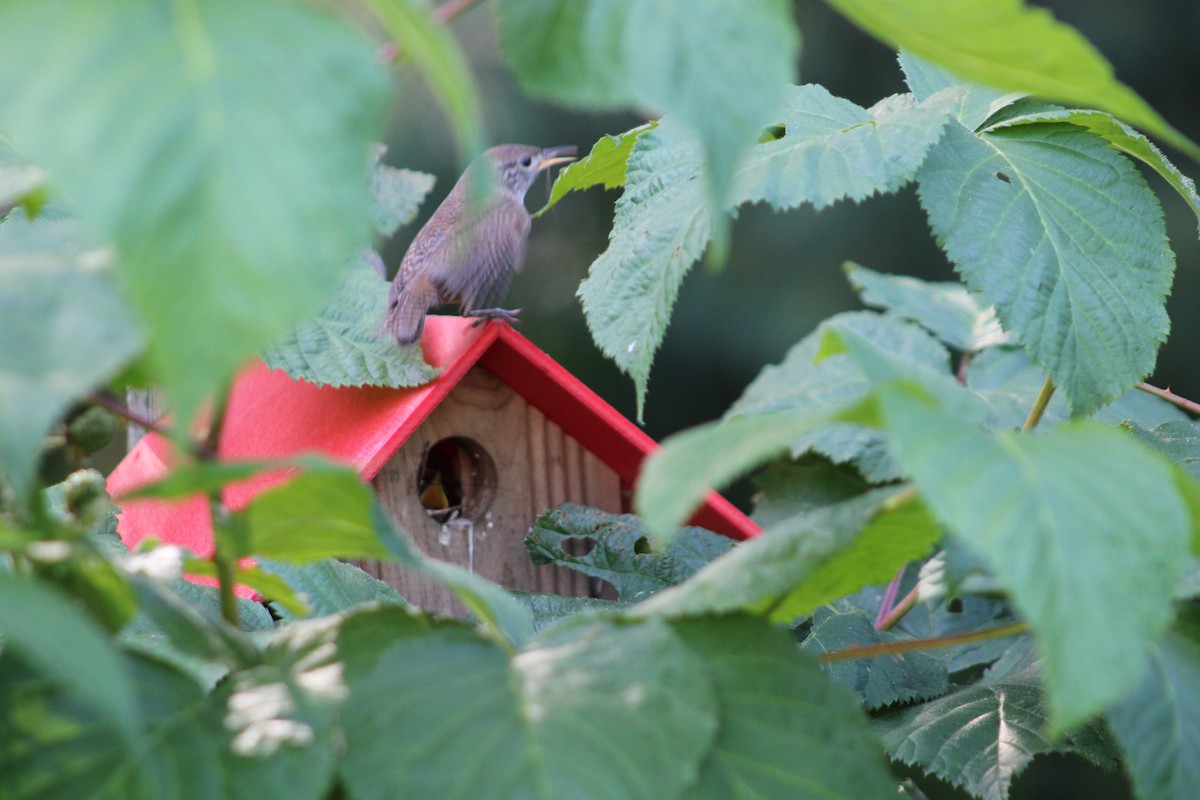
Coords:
pixel 557 155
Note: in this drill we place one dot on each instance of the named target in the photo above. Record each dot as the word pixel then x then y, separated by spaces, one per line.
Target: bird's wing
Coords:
pixel 479 266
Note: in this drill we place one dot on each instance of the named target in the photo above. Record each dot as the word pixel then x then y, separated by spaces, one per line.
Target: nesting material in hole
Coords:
pixel 456 480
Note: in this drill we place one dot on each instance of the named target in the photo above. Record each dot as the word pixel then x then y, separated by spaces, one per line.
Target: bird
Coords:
pixel 470 249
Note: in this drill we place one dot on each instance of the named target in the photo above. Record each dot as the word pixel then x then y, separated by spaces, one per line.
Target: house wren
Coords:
pixel 469 251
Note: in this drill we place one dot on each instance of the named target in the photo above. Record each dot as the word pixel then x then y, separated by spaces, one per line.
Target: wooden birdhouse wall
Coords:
pixel 512 464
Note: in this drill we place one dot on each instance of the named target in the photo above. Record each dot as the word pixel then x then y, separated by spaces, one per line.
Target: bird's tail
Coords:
pixel 405 317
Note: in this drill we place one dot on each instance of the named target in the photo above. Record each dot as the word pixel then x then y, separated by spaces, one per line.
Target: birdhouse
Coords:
pixel 463 464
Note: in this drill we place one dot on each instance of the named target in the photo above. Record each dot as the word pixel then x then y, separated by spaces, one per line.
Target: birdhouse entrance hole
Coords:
pixel 456 480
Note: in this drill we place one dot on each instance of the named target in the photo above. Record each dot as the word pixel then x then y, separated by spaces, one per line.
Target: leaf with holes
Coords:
pixel 1120 137
pixel 1061 234
pixel 620 554
pixel 833 149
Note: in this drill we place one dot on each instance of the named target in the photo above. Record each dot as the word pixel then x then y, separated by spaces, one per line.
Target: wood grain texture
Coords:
pixel 537 467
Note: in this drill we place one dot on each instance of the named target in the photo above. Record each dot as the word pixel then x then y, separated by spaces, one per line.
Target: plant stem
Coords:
pixel 894 648
pixel 226 570
pixel 889 598
pixel 122 411
pixel 118 409
pixel 961 373
pixel 1039 406
pixel 902 608
pixel 1171 397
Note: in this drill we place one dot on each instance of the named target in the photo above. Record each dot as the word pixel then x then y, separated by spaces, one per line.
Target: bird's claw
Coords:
pixel 482 315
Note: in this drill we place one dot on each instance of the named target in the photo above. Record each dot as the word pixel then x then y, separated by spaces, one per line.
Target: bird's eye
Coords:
pixel 526 161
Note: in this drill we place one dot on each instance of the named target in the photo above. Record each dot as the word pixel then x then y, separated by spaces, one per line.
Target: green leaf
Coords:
pixel 1081 500
pixel 597 710
pixel 947 310
pixel 1120 137
pixel 340 345
pixel 955 615
pixel 54 747
pixel 17 178
pixel 550 609
pixel 487 601
pixel 833 150
pixel 805 381
pixel 331 586
pixel 276 729
pixel 1155 724
pixel 787 488
pixel 663 223
pixel 1005 44
pixel 68 648
pixel 974 104
pixel 603 166
pixel 1063 236
pixel 1178 440
pixel 266 585
pixel 804 561
pixel 717 67
pixel 783 405
pixel 982 736
pixel 56 750
pixel 313 516
pixel 675 480
pixel 186 628
pixel 1009 383
pixel 438 56
pixel 200 478
pixel 879 681
pixel 64 329
pixel 786 731
pixel 396 195
pixel 621 553
pixel 231 185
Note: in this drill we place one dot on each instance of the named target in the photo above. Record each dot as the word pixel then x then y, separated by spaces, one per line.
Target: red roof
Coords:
pixel 271 415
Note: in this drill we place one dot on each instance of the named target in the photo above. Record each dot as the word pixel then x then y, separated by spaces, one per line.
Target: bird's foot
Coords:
pixel 482 315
